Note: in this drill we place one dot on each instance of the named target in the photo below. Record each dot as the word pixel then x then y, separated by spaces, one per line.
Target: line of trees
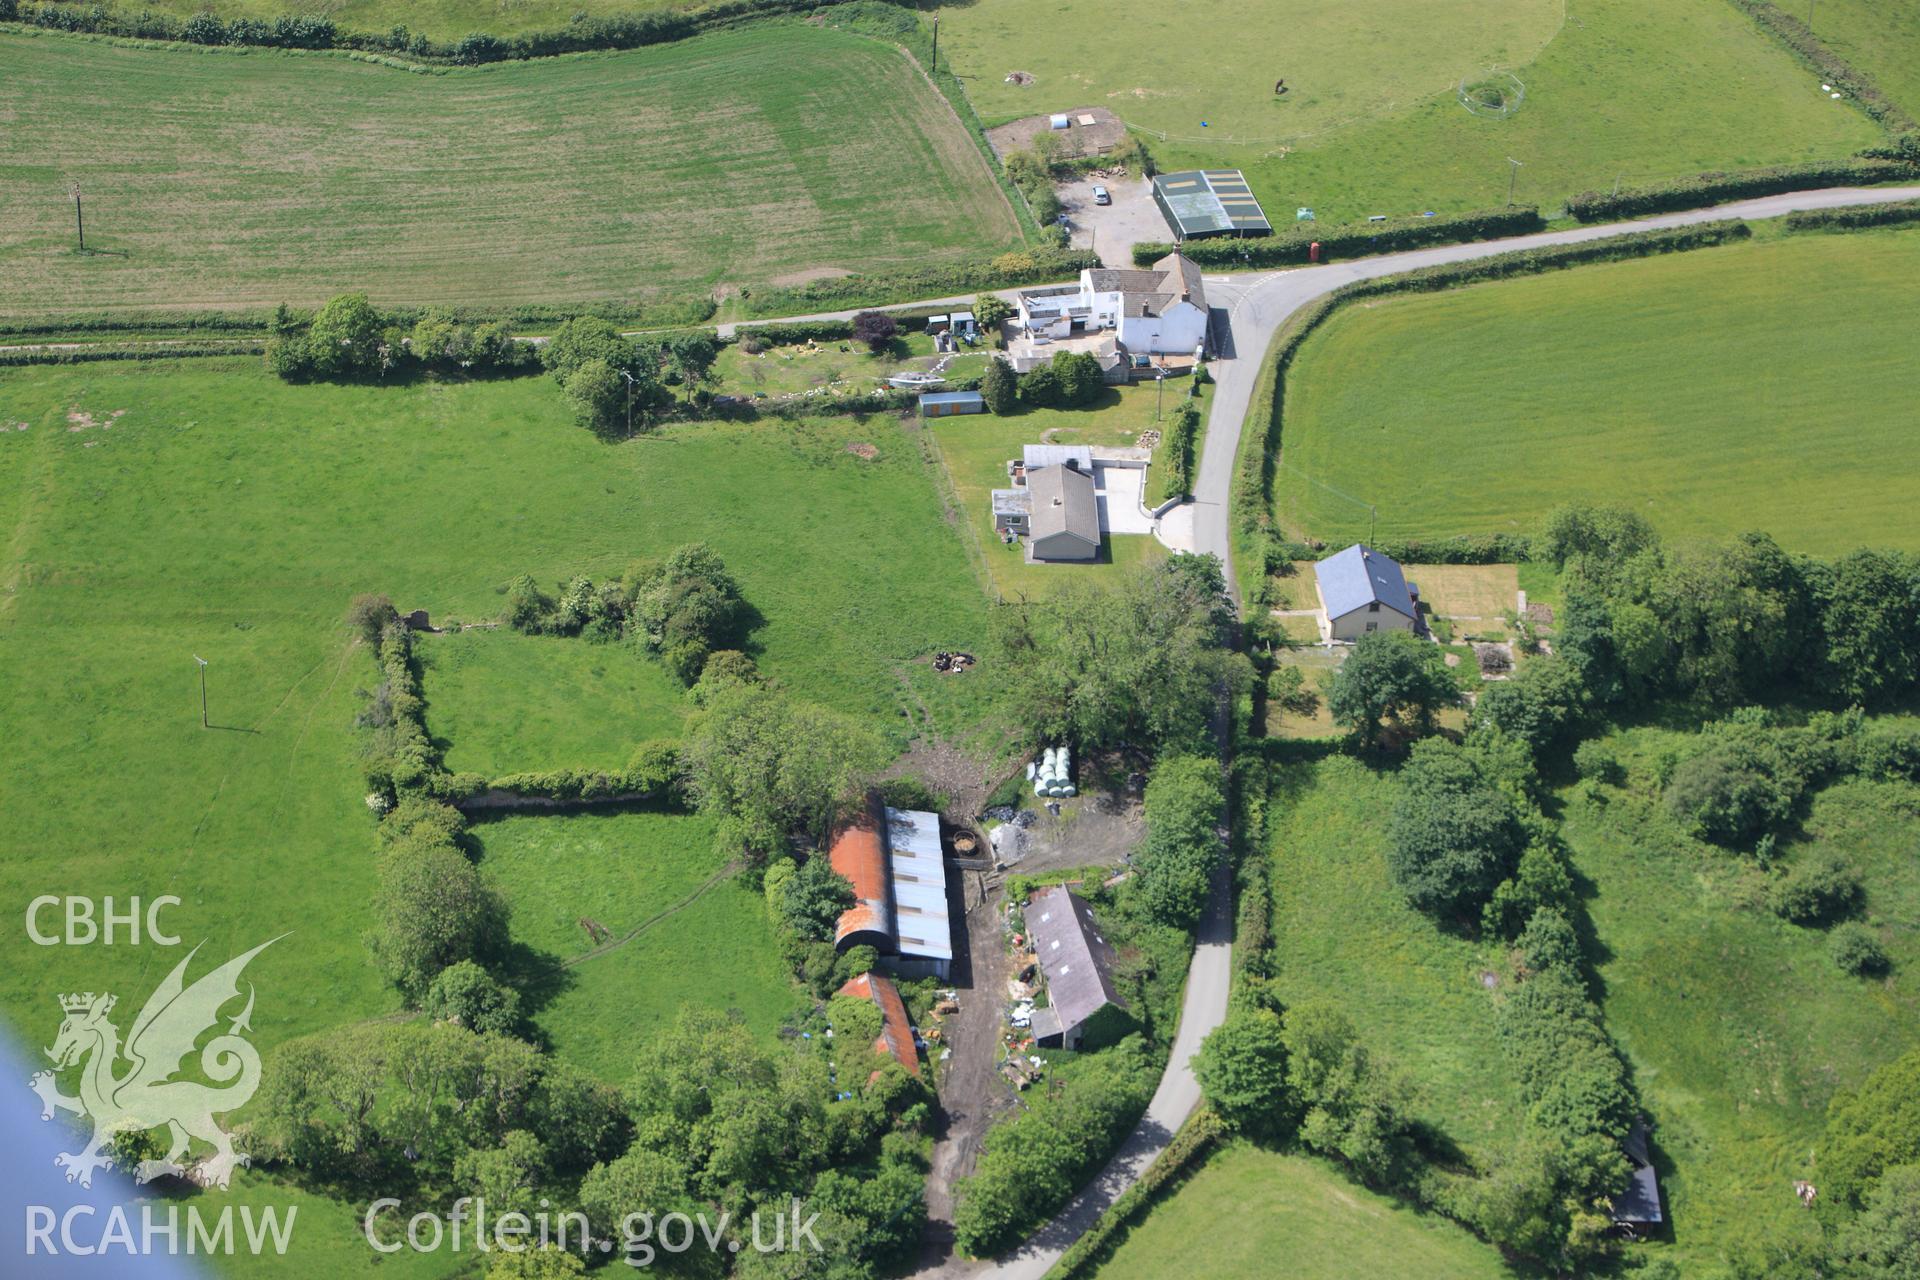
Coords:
pixel 348 339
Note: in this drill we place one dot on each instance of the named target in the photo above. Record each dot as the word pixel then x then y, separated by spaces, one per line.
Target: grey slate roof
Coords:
pixel 1064 502
pixel 1359 576
pixel 1639 1203
pixel 1076 959
pixel 1152 291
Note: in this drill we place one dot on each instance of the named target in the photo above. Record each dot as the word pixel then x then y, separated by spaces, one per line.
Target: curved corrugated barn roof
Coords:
pixel 858 855
pixel 896 1033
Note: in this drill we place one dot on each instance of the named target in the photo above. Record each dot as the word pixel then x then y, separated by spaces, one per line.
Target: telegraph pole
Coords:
pixel 79 223
pixel 935 62
pixel 1513 175
pixel 203 690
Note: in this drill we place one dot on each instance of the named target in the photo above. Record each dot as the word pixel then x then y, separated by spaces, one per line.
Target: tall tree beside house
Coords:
pixel 990 311
pixel 998 387
pixel 1391 675
pixel 1040 387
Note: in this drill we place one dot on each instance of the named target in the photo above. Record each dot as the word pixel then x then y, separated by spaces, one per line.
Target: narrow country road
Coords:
pixel 1256 305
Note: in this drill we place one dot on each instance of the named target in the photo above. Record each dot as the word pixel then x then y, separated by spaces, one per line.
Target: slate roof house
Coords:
pixel 893 860
pixel 1363 590
pixel 1078 964
pixel 1065 520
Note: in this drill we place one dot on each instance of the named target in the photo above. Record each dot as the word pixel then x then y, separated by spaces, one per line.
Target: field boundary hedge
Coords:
pixel 1705 189
pixel 1811 51
pixel 1857 218
pixel 102 352
pixel 619 32
pixel 1182 1157
pixel 1252 496
pixel 1350 239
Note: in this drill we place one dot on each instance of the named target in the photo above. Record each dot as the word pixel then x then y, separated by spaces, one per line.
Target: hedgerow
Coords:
pixel 1890 214
pixel 1350 240
pixel 1706 189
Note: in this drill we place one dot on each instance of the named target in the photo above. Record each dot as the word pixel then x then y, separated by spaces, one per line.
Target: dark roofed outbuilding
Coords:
pixel 1076 959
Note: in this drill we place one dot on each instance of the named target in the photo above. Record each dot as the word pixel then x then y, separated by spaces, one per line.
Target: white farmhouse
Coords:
pixel 1158 311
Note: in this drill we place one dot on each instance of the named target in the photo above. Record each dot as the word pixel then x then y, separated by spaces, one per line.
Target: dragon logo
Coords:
pixel 145 1096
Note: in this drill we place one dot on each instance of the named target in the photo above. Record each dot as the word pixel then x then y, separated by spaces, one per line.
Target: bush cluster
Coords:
pixel 1033 1164
pixel 653 774
pixel 1716 188
pixel 682 608
pixel 1176 448
pixel 1349 239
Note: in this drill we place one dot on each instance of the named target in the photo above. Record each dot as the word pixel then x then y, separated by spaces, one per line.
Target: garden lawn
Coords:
pixel 1246 1209
pixel 680 932
pixel 842 368
pixel 245 178
pixel 1372 121
pixel 1343 933
pixel 1738 1025
pixel 502 702
pixel 975 449
pixel 1763 385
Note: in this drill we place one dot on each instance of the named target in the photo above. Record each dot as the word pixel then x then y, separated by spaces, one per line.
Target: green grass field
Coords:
pixel 1343 932
pixel 504 702
pixel 1881 40
pixel 643 876
pixel 157 511
pixel 1738 1025
pixel 1372 122
pixel 1751 387
pixel 230 516
pixel 236 179
pixel 1252 1212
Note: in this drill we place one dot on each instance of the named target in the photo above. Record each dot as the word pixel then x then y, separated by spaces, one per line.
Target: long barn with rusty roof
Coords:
pixel 893 860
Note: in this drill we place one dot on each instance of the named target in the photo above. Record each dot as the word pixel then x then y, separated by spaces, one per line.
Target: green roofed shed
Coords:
pixel 1209 202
